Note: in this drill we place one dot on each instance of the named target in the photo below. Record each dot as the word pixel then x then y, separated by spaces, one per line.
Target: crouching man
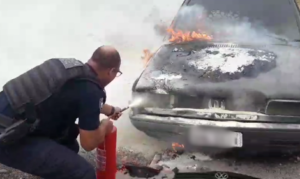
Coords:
pixel 43 105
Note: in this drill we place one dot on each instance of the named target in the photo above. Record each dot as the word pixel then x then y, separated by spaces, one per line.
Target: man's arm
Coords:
pixel 92 133
pixel 113 112
pixel 89 140
pixel 107 110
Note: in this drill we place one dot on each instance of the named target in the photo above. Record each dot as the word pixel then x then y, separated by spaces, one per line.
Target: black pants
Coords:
pixel 48 159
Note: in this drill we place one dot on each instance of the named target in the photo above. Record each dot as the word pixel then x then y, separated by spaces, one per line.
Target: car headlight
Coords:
pixel 151 100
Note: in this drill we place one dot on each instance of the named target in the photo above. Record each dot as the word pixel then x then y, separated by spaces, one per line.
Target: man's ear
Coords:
pixel 110 71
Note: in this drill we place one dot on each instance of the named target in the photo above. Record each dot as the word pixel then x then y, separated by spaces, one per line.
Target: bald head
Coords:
pixel 106 57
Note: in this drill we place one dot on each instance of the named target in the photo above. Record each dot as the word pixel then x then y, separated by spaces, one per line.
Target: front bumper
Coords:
pixel 254 133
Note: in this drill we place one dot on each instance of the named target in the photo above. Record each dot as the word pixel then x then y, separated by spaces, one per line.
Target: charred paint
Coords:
pixel 268 73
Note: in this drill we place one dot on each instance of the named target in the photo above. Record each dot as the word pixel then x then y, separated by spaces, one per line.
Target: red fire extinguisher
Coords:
pixel 106 157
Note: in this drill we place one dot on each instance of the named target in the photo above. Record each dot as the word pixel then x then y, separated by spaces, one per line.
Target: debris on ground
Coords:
pixel 193 157
pixel 156 159
pixel 128 156
pixel 136 168
pixel 154 162
pixel 165 166
pixel 193 167
pixel 171 154
pixel 157 167
pixel 168 155
pixel 141 171
pixel 128 162
pixel 175 170
pixel 178 148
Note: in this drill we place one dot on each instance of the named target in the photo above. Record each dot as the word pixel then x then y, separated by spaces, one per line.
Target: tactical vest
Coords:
pixel 39 83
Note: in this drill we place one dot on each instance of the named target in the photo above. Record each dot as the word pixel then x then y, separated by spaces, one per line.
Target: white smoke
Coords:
pixel 133 23
pixel 34 31
pixel 228 26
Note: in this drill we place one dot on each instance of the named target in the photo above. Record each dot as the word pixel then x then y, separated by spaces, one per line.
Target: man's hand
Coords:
pixel 107 125
pixel 116 116
pixel 91 139
pixel 117 113
pixel 111 111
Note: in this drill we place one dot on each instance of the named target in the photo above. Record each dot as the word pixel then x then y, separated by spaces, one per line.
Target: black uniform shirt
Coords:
pixel 77 99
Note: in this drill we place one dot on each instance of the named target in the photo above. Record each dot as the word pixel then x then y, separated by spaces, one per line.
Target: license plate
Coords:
pixel 215 138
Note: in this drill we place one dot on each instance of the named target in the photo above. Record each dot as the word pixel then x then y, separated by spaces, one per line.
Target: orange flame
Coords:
pixel 178 36
pixel 177 146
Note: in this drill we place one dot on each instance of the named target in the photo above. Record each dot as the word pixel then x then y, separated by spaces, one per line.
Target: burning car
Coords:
pixel 228 77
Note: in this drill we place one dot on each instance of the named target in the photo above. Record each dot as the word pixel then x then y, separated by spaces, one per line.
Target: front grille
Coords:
pixel 227 103
pixel 196 102
pixel 271 107
pixel 283 107
pixel 200 102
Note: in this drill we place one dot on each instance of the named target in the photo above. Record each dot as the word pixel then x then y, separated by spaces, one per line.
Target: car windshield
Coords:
pixel 241 20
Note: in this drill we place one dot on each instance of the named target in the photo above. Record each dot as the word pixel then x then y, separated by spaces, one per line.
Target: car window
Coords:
pixel 217 17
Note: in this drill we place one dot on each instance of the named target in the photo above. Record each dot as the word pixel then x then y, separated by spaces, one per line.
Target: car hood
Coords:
pixel 223 69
